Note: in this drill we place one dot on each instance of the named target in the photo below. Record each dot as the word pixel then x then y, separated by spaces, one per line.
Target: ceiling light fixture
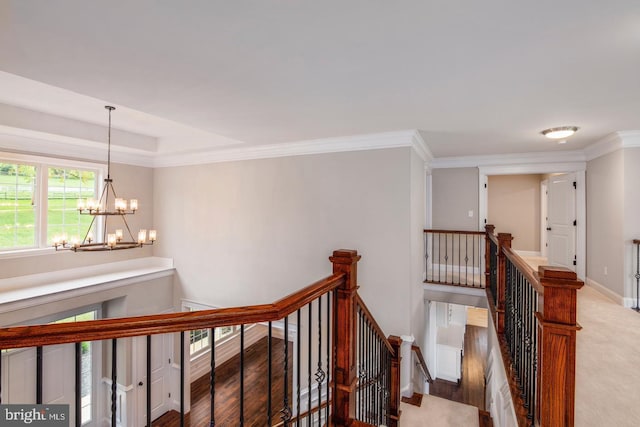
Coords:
pixel 99 208
pixel 560 132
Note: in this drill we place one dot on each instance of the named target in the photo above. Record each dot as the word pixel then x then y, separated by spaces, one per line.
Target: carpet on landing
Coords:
pixel 438 412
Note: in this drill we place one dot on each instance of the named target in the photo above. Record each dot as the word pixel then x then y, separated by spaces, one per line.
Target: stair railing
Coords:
pixel 535 319
pixel 421 363
pixel 454 257
pixel 329 310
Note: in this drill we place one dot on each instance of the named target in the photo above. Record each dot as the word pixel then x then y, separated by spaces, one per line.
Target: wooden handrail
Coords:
pixel 374 324
pixel 94 330
pixel 524 268
pixel 423 364
pixel 636 241
pixel 454 231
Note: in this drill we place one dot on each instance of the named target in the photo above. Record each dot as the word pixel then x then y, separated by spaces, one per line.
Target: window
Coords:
pixel 86 363
pixel 200 340
pixel 39 199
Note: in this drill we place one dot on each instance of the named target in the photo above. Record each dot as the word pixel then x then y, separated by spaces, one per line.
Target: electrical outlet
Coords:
pixel 606 271
pixel 470 214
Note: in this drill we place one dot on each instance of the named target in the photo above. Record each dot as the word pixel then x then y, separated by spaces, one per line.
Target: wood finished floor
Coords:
pixel 471 388
pixel 227 392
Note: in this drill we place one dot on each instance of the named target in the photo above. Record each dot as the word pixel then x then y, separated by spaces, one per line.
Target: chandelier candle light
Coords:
pixel 98 208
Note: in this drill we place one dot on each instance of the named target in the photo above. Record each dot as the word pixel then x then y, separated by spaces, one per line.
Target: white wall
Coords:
pixel 253 231
pixel 455 193
pixel 605 221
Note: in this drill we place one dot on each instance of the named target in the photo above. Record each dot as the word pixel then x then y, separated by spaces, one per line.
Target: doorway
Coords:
pixel 573 238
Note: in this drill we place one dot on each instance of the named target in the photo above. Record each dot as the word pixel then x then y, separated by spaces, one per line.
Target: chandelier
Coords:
pixel 100 209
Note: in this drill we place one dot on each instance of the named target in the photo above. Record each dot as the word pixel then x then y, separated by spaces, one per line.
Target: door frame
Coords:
pixel 544 184
pixel 579 168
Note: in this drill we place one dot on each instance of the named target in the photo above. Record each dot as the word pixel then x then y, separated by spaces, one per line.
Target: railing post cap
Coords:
pixel 505 236
pixel 490 228
pixel 345 256
pixel 552 272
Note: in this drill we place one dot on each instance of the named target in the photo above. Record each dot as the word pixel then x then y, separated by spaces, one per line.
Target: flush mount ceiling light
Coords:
pixel 114 239
pixel 560 132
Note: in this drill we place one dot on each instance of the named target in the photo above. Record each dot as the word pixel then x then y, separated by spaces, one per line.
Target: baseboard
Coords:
pixel 625 302
pixel 527 253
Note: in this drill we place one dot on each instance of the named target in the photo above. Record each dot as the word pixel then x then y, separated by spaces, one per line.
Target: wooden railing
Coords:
pixel 454 257
pixel 376 378
pixel 535 318
pixel 332 301
pixel 421 363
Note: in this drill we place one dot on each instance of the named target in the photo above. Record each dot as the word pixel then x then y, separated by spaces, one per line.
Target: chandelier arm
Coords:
pixel 128 229
pixel 93 219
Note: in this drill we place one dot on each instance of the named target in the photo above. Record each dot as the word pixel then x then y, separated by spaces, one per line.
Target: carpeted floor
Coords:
pixel 437 412
pixel 608 362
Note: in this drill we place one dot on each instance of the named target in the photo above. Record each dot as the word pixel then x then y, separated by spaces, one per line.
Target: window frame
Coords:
pixel 42 165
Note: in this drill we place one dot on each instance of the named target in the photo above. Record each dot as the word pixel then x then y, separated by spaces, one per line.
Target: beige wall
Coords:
pixel 454 194
pixel 253 231
pixel 605 219
pixel 514 207
pixel 631 217
pixel 418 206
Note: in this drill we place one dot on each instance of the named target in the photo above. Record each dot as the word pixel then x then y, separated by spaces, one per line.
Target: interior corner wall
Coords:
pixel 253 231
pixel 631 220
pixel 130 182
pixel 514 207
pixel 418 207
pixel 605 221
pixel 455 194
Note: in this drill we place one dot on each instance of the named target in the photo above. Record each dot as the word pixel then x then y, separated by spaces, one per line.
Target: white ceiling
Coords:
pixel 474 77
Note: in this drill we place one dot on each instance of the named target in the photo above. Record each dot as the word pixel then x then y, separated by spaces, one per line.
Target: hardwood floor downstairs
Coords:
pixel 471 389
pixel 227 390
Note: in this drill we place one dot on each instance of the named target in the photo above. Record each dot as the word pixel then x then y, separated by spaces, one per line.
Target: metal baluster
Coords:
pixel 242 374
pixel 433 257
pixel 426 255
pixel 360 363
pixel 181 378
pixel 212 376
pixel 446 258
pixel 269 373
pixel 459 262
pixel 637 276
pixel 473 259
pixel 439 258
pixel 328 399
pixel 299 318
pixel 319 372
pixel 466 261
pixel 0 376
pixel 78 384
pixel 286 410
pixel 309 352
pixel 149 420
pixel 39 375
pixel 114 376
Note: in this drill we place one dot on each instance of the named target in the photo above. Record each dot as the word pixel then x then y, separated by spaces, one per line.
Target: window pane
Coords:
pixel 66 187
pixel 17 206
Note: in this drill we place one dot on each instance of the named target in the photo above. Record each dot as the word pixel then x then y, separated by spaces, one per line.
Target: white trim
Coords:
pixel 609 293
pixel 422 149
pixel 630 138
pixel 519 169
pixel 509 159
pixel 407 138
pixel 82 149
pixel 44 288
pixel 527 253
pixel 606 145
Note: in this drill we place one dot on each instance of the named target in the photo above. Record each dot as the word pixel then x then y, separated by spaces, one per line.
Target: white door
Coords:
pixel 561 216
pixel 161 354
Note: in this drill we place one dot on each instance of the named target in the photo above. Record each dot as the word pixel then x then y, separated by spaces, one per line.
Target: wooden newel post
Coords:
pixel 344 330
pixel 489 229
pixel 394 406
pixel 557 327
pixel 504 241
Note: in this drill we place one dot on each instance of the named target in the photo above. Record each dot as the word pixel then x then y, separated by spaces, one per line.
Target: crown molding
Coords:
pixel 630 139
pixel 421 148
pixel 73 149
pixel 410 138
pixel 509 159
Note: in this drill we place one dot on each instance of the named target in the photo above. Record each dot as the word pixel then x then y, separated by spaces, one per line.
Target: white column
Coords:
pixel 406 366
